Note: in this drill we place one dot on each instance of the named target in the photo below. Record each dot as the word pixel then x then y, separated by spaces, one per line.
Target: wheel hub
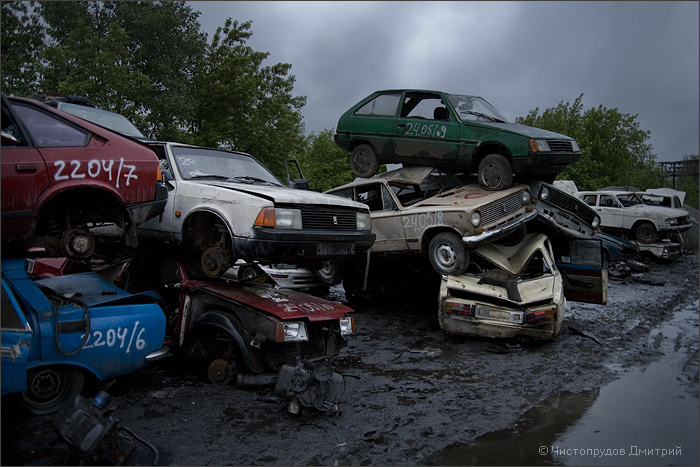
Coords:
pixel 446 256
pixel 77 243
pixel 220 371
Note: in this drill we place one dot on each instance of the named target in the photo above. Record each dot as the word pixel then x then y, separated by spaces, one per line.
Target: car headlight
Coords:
pixel 596 222
pixel 544 193
pixel 526 198
pixel 295 332
pixel 476 218
pixel 347 326
pixel 672 221
pixel 539 145
pixel 364 222
pixel 574 146
pixel 279 218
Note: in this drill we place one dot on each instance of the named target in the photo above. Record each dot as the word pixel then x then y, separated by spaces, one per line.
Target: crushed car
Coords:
pixel 624 213
pixel 225 205
pixel 62 176
pixel 60 331
pixel 520 290
pixel 563 212
pixel 247 332
pixel 423 127
pixel 425 211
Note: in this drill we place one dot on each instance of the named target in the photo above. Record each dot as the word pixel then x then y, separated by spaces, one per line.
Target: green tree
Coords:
pixel 614 149
pixel 324 164
pixel 689 181
pixel 244 105
pixel 21 43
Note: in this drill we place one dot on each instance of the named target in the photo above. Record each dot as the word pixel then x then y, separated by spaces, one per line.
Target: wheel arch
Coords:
pixel 491 147
pixel 430 233
pixel 203 220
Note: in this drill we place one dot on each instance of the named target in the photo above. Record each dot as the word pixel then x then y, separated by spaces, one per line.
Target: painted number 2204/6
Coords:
pixel 113 337
pixel 418 222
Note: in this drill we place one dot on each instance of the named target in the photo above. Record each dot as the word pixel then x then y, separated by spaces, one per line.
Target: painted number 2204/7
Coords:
pixel 112 337
pixel 418 222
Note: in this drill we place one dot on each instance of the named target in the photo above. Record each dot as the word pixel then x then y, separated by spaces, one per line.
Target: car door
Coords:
pixel 24 175
pixel 611 212
pixel 425 128
pixel 385 214
pixel 585 277
pixel 16 342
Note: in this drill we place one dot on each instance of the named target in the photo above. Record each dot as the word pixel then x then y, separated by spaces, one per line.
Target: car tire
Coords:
pixel 49 387
pixel 363 161
pixel 448 254
pixel 330 273
pixel 495 173
pixel 646 233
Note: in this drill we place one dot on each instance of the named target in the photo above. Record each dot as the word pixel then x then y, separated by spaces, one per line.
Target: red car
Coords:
pixel 62 177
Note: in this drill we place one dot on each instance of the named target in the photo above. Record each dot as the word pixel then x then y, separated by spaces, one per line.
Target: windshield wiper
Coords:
pixel 251 180
pixel 479 114
pixel 218 177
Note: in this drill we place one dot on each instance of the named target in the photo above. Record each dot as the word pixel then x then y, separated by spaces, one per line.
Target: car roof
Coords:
pixel 419 90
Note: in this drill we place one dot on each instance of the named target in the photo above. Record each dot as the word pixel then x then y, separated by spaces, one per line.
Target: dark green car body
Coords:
pixel 421 127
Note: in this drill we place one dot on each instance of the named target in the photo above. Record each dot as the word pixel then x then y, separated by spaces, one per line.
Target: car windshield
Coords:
pixel 199 163
pixel 105 118
pixel 475 108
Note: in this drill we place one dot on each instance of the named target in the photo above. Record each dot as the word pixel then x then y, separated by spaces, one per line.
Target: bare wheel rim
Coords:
pixel 445 256
pixel 492 175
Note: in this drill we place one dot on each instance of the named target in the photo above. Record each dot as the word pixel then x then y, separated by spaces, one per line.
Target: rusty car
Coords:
pixel 423 127
pixel 60 332
pixel 225 205
pixel 522 290
pixel 425 211
pixel 62 176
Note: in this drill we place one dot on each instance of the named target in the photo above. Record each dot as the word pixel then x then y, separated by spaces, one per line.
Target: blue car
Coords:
pixel 59 331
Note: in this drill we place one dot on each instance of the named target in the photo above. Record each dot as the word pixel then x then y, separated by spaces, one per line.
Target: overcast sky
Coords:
pixel 639 57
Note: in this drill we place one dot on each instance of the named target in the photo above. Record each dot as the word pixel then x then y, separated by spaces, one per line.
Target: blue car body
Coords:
pixel 66 327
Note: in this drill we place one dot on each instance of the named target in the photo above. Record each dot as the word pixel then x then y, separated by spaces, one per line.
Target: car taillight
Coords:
pixel 459 308
pixel 539 316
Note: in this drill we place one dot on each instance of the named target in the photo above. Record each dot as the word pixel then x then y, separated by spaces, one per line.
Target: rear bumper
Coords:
pixel 156 355
pixel 141 212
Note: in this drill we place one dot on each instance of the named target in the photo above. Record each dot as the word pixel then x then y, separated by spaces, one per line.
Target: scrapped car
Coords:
pixel 615 248
pixel 562 211
pixel 56 332
pixel 425 211
pixel 520 290
pixel 62 176
pixel 625 213
pixel 224 205
pixel 422 127
pixel 246 332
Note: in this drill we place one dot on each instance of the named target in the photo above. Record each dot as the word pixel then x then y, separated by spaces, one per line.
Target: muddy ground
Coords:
pixel 412 391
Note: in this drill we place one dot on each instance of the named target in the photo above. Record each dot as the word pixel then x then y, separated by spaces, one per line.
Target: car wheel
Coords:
pixel 246 273
pixel 77 243
pixel 48 388
pixel 363 161
pixel 495 173
pixel 448 255
pixel 330 273
pixel 646 233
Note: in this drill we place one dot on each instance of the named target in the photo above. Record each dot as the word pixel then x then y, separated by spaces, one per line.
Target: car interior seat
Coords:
pixel 440 113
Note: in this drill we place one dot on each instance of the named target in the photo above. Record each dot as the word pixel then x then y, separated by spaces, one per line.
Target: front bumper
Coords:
pixel 674 228
pixel 301 246
pixel 156 355
pixel 499 231
pixel 544 163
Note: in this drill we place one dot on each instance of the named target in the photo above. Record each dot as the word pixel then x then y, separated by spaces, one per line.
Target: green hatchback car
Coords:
pixel 421 127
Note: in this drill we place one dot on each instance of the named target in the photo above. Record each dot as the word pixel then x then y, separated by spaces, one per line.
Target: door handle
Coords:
pixel 401 125
pixel 25 168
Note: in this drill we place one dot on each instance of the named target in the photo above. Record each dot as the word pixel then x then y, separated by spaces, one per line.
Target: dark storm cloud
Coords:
pixel 639 57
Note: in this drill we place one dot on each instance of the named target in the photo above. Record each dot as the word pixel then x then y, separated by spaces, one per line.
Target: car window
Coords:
pixel 371 195
pixel 11 309
pixel 343 193
pixel 105 118
pixel 11 136
pixel 608 201
pixel 630 200
pixel 590 199
pixel 389 203
pixel 424 106
pixel 475 108
pixel 384 105
pixel 194 162
pixel 48 131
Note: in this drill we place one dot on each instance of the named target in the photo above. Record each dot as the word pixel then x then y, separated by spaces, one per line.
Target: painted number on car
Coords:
pixel 115 170
pixel 418 222
pixel 123 337
pixel 426 129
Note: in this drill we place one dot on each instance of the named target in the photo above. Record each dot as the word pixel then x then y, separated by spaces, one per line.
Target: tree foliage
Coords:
pixel 22 39
pixel 614 149
pixel 324 164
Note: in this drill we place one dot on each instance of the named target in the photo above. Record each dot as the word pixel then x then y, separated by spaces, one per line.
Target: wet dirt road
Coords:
pixel 414 395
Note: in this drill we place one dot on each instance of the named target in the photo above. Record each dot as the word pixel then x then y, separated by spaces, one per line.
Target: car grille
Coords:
pixel 556 145
pixel 322 218
pixel 494 212
pixel 569 203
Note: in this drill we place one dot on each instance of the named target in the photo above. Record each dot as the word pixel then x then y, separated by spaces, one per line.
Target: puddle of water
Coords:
pixel 649 413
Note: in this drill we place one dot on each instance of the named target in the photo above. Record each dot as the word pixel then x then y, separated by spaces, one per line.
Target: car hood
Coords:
pixel 282 303
pixel 469 195
pixel 529 131
pixel 90 289
pixel 283 195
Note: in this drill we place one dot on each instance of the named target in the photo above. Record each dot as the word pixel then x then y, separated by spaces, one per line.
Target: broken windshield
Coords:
pixel 475 108
pixel 202 163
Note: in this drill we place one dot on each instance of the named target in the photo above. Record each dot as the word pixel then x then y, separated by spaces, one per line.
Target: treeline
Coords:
pixel 151 62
